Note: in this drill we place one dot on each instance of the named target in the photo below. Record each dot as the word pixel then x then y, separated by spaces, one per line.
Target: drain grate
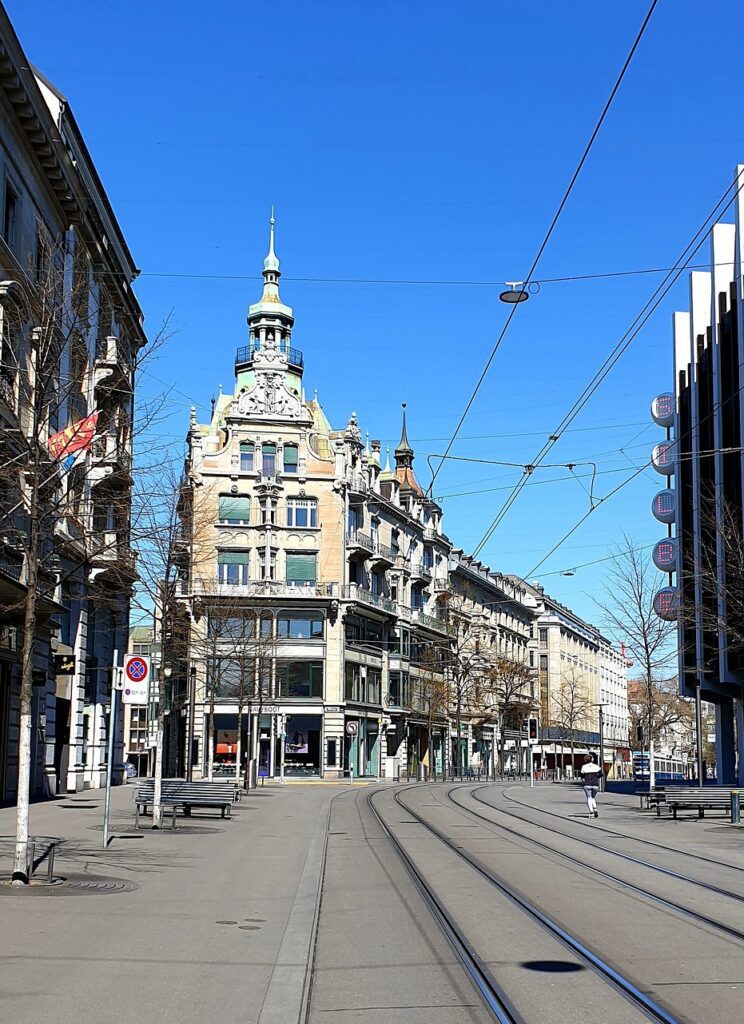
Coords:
pixel 71 885
pixel 101 885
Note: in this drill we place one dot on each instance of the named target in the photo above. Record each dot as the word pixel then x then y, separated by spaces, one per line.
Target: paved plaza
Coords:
pixel 218 918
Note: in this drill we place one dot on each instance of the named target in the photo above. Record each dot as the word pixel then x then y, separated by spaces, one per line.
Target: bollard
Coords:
pixel 735 807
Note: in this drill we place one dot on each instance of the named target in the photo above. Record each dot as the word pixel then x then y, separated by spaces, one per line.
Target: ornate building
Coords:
pixel 317 582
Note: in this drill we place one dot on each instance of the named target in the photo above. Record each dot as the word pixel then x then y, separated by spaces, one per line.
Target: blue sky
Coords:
pixel 419 142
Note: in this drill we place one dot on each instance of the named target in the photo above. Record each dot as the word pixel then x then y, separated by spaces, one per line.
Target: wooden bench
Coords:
pixel 177 793
pixel 701 799
pixel 653 798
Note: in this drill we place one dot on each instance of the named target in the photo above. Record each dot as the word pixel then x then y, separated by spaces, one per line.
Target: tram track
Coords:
pixel 486 984
pixel 611 832
pixel 671 905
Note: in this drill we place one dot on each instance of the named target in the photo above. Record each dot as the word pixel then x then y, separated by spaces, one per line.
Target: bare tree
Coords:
pixel 629 614
pixel 510 686
pixel 430 691
pixel 667 710
pixel 572 708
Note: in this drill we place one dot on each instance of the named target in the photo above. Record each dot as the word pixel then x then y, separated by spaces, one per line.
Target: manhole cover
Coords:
pixel 82 807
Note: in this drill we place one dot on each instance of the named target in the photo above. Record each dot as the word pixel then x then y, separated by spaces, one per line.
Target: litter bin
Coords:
pixel 421 773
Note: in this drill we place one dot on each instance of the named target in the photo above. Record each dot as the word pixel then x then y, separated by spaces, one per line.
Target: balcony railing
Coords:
pixel 420 571
pixel 360 540
pixel 246 353
pixel 383 553
pixel 431 621
pixel 259 589
pixel 356 593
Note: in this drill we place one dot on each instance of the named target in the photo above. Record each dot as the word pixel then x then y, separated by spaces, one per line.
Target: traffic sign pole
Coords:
pixel 115 686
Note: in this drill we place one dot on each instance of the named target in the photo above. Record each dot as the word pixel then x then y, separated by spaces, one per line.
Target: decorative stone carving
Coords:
pixel 269 396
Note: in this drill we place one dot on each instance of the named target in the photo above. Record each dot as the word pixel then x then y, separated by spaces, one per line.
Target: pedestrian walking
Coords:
pixel 590 778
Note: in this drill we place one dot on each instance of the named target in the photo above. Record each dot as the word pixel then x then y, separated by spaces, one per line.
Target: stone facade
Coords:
pixel 344 565
pixel 60 243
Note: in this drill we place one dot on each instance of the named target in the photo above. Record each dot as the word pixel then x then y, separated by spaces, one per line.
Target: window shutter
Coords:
pixel 290 458
pixel 302 568
pixel 235 509
pixel 232 557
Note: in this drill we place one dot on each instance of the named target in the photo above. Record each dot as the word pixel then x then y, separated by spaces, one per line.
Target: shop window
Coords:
pixel 232 567
pixel 302 569
pixel 302 512
pixel 247 456
pixel 331 753
pixel 299 627
pixel 290 458
pixel 299 678
pixel 234 511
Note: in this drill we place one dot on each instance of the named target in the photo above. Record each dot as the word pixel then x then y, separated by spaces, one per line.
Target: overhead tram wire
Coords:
pixel 681 265
pixel 639 470
pixel 420 281
pixel 543 245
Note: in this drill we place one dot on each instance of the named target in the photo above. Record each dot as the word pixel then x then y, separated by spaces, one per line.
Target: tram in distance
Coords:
pixel 666 769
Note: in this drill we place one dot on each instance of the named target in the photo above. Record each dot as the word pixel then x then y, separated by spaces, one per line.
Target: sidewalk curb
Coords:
pixel 288 989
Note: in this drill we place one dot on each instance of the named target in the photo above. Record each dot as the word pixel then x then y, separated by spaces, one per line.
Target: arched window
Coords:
pixel 268 459
pixel 290 458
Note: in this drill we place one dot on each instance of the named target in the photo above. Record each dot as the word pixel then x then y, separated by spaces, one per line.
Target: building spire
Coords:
pixel 404 452
pixel 271 262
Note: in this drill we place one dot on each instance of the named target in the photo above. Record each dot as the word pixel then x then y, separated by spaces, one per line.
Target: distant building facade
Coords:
pixel 578 670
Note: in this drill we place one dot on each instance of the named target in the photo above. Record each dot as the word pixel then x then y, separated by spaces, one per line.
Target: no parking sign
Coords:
pixel 136 679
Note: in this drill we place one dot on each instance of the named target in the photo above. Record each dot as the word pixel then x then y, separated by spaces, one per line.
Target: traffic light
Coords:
pixel 532 728
pixel 639 733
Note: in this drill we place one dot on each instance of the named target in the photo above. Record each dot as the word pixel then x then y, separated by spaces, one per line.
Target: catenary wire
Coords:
pixel 681 265
pixel 548 235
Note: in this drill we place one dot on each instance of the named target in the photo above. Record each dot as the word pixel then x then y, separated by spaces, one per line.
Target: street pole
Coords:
pixel 190 725
pixel 699 732
pixel 601 748
pixel 115 687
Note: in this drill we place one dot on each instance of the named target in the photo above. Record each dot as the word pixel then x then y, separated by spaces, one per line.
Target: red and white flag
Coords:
pixel 75 438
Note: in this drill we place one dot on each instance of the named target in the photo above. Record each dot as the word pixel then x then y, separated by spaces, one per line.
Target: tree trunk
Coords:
pixel 20 868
